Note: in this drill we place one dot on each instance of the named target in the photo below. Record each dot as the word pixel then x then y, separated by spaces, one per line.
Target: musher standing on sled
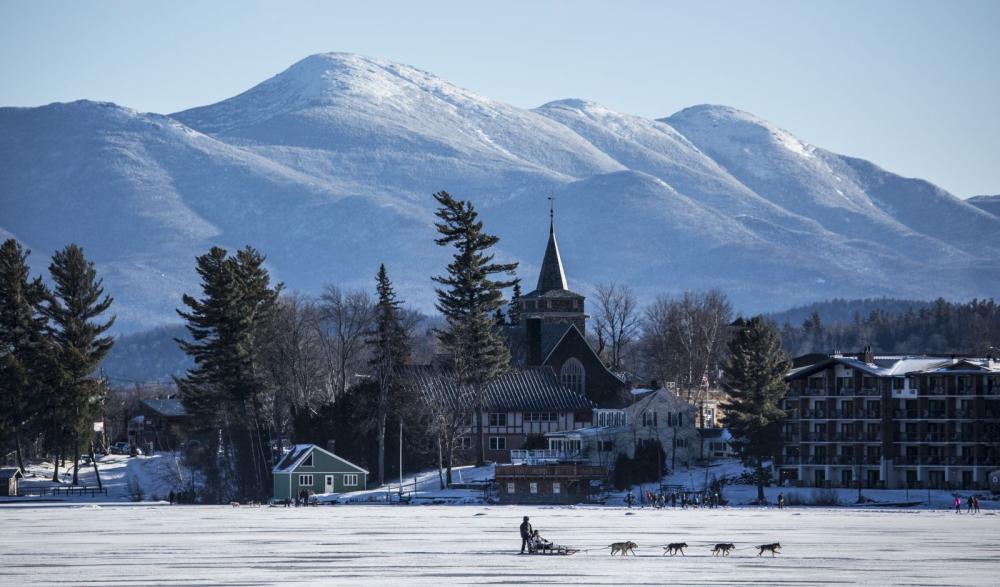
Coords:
pixel 526 535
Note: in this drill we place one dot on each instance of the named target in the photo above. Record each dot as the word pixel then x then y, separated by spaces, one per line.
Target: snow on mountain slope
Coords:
pixel 144 195
pixel 990 204
pixel 812 182
pixel 334 111
pixel 329 167
pixel 927 209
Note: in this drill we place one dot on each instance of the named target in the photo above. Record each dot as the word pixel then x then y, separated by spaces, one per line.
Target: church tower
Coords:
pixel 552 302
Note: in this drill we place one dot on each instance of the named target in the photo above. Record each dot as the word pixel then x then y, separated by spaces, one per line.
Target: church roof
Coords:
pixel 552 276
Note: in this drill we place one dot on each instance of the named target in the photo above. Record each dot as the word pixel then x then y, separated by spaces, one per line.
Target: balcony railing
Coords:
pixel 833 460
pixel 545 456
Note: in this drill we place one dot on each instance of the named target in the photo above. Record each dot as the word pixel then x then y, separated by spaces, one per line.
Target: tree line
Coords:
pixel 52 340
pixel 940 326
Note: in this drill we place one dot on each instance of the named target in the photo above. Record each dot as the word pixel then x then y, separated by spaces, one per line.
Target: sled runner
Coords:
pixel 554 549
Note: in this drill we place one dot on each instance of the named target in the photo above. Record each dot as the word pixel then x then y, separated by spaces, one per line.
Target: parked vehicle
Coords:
pixel 120 448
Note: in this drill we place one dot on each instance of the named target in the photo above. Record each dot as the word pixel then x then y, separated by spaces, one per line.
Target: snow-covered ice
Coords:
pixel 444 545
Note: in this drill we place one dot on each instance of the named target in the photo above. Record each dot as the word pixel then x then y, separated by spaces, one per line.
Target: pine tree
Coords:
pixel 78 300
pixel 514 307
pixel 389 344
pixel 224 393
pixel 468 301
pixel 755 379
pixel 26 354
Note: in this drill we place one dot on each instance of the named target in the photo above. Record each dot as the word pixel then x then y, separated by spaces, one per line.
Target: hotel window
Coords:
pixel 533 487
pixel 510 488
pixel 556 488
pixel 305 480
pixel 465 442
pixel 350 480
pixel 498 443
pixel 498 419
pixel 572 375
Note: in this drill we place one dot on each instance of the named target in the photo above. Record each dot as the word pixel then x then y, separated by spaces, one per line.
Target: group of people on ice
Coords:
pixel 661 499
pixel 972 504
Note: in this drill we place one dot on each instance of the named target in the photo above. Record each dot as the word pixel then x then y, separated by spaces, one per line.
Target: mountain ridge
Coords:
pixel 328 167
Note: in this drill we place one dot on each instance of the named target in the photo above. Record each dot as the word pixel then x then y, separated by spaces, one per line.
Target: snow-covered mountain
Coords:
pixel 329 167
pixel 990 204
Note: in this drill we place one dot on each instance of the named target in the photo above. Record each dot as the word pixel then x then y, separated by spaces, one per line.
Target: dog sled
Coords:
pixel 554 549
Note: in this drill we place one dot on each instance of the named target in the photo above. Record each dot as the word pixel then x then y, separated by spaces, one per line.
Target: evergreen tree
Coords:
pixel 27 362
pixel 754 377
pixel 389 343
pixel 468 301
pixel 514 307
pixel 73 311
pixel 225 391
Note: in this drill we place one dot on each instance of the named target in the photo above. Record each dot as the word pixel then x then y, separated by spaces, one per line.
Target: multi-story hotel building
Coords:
pixel 891 421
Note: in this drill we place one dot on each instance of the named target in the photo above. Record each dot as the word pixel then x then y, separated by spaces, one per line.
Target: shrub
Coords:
pixel 825 497
pixel 623 475
pixel 135 491
pixel 793 498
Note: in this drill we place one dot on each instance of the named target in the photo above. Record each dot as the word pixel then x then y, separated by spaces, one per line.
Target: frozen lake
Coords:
pixel 439 545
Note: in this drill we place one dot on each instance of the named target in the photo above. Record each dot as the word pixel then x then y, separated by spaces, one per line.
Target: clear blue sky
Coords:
pixel 913 86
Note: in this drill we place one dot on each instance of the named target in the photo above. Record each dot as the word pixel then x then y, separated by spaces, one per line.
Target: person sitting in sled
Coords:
pixel 539 543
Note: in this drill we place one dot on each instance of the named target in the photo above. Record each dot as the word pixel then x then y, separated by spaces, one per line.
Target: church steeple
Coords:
pixel 552 276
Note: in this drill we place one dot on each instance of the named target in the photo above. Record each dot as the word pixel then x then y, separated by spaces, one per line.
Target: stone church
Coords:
pixel 552 332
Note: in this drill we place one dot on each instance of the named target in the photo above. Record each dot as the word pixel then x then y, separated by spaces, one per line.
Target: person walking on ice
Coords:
pixel 526 536
pixel 958 504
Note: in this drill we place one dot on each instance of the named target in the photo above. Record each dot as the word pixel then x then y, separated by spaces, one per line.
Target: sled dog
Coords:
pixel 623 547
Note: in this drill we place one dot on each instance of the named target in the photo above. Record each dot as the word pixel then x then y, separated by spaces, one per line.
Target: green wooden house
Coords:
pixel 315 470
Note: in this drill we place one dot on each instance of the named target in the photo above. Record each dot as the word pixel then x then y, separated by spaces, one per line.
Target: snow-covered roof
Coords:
pixel 168 408
pixel 587 432
pixel 900 365
pixel 8 472
pixel 642 390
pixel 294 457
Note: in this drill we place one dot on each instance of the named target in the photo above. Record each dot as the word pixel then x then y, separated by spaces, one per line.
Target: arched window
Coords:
pixel 572 375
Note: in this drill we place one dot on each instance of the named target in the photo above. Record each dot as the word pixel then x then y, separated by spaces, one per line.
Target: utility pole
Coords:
pixel 400 459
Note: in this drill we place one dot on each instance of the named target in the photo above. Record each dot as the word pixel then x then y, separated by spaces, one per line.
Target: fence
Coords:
pixel 67 491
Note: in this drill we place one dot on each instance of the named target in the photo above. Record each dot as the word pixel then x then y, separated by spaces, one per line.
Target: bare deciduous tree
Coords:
pixel 299 369
pixel 684 339
pixel 616 323
pixel 346 317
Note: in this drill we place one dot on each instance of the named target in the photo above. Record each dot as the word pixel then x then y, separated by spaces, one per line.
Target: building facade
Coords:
pixel 892 421
pixel 655 415
pixel 549 484
pixel 309 468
